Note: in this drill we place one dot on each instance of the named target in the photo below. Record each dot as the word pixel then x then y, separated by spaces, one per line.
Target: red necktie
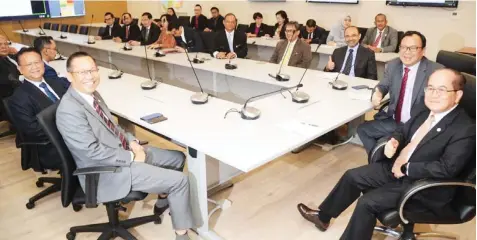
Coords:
pixel 110 124
pixel 402 94
pixel 196 22
pixel 377 39
pixel 127 32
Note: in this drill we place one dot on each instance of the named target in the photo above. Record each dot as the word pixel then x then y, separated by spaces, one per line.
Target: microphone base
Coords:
pixel 158 54
pixel 91 42
pixel 9 43
pixel 63 37
pixel 339 85
pixel 281 77
pixel 24 30
pixel 127 48
pixel 198 60
pixel 300 97
pixel 199 98
pixel 115 75
pixel 230 66
pixel 148 85
pixel 250 113
pixel 41 34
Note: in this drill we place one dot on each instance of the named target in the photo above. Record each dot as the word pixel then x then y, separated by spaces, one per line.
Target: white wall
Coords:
pixel 442 30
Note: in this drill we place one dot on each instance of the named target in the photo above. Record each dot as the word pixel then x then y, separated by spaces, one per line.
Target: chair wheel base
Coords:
pixel 30 205
pixel 39 184
pixel 71 236
pixel 77 208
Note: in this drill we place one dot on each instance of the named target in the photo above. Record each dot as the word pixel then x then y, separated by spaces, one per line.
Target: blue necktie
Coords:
pixel 50 95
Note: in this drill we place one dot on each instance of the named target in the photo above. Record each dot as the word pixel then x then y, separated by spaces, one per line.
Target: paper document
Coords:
pixel 304 128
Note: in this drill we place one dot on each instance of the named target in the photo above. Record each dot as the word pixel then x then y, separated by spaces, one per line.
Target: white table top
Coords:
pixel 99 24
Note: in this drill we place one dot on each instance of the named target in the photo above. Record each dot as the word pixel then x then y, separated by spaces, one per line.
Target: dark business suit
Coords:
pixel 25 104
pixel 134 33
pixel 216 24
pixel 51 73
pixel 442 153
pixel 202 23
pixel 193 40
pixel 8 81
pixel 317 36
pixel 239 44
pixel 364 65
pixel 154 32
pixel 109 32
pixel 384 124
pixel 262 29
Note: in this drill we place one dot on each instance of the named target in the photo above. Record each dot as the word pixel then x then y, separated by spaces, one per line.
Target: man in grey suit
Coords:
pixel 404 80
pixel 293 51
pixel 381 38
pixel 93 139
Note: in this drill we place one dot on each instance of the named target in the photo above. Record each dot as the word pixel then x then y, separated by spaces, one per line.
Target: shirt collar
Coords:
pixel 439 116
pixel 384 29
pixel 355 48
pixel 412 68
pixel 183 33
pixel 36 83
pixel 87 97
pixel 231 33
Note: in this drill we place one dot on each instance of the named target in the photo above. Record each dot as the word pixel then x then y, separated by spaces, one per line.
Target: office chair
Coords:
pixel 457 61
pixel 30 159
pixel 242 28
pixel 135 21
pixel 71 192
pixel 55 26
pixel 400 36
pixel 116 20
pixel 184 20
pixel 64 28
pixel 462 207
pixel 101 30
pixel 73 28
pixel 208 38
pixel 362 31
pixel 46 25
pixel 84 30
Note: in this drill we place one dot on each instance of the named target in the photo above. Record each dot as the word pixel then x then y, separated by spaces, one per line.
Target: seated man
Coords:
pixel 292 51
pixel 149 33
pixel 230 43
pixel 185 37
pixel 112 28
pixel 381 38
pixel 313 33
pixel 9 76
pixel 216 22
pixel 46 46
pixel 353 60
pixel 35 94
pixel 433 144
pixel 404 80
pixel 198 21
pixel 85 122
pixel 129 31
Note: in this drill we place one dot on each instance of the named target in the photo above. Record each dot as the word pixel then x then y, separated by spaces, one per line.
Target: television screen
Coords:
pixel 65 8
pixel 424 3
pixel 23 9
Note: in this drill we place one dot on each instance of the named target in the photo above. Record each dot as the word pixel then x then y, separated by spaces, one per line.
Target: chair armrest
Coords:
pixel 33 144
pixel 425 184
pixel 383 106
pixel 91 182
pixel 377 154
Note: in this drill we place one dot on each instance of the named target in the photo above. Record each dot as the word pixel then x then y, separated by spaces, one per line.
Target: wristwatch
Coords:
pixel 404 169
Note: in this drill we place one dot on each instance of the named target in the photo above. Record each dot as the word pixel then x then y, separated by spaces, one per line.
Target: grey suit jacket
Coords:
pixel 391 83
pixel 300 57
pixel 92 144
pixel 389 38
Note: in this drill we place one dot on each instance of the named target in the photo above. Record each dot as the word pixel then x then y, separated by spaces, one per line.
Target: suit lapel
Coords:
pixel 357 60
pixel 37 95
pixel 375 34
pixel 58 88
pixel 419 81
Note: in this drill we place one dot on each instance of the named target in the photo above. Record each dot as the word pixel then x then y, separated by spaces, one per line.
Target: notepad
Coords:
pixel 303 128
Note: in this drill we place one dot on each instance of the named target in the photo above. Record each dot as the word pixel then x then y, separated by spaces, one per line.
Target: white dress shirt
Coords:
pixel 230 40
pixel 37 84
pixel 377 35
pixel 290 47
pixel 183 36
pixel 110 29
pixel 407 102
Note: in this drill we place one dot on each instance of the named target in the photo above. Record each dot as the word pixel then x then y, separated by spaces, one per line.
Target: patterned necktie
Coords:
pixel 402 94
pixel 376 42
pixel 349 63
pixel 110 124
pixel 418 136
pixel 127 32
pixel 49 94
pixel 310 35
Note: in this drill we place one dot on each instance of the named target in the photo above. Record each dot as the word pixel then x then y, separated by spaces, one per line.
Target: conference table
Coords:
pixel 262 49
pixel 241 144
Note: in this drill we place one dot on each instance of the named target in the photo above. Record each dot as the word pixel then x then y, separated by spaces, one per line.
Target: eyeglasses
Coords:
pixel 412 49
pixel 440 91
pixel 290 31
pixel 86 72
pixel 30 65
pixel 351 36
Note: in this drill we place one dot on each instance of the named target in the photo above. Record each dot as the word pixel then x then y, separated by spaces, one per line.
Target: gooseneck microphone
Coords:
pixel 41 33
pixel 231 65
pixel 116 74
pixel 61 25
pixel 281 76
pixel 299 96
pixel 21 25
pixel 91 39
pixel 8 39
pixel 251 113
pixel 198 97
pixel 151 84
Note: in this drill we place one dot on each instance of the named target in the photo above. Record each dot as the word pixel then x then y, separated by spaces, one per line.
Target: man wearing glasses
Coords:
pixel 404 80
pixel 46 46
pixel 353 60
pixel 292 51
pixel 438 142
pixel 230 43
pixel 112 28
pixel 30 98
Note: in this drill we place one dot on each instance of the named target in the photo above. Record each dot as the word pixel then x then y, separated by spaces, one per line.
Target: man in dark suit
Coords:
pixel 186 36
pixel 353 60
pixel 230 43
pixel 216 22
pixel 292 51
pixel 46 46
pixel 35 94
pixel 381 38
pixel 433 144
pixel 198 21
pixel 149 33
pixel 129 31
pixel 313 33
pixel 404 80
pixel 113 28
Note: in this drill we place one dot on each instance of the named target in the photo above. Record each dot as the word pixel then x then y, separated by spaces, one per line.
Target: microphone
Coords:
pixel 230 65
pixel 91 39
pixel 197 59
pixel 251 113
pixel 61 25
pixel 42 33
pixel 302 97
pixel 116 74
pixel 9 42
pixel 338 84
pixel 23 29
pixel 199 97
pixel 281 76
pixel 148 85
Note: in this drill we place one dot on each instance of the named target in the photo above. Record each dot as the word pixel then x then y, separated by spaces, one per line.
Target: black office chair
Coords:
pixel 362 31
pixel 71 192
pixel 325 35
pixel 242 28
pixel 64 27
pixel 116 20
pixel 30 159
pixel 208 38
pixel 101 30
pixel 84 30
pixel 73 28
pixel 400 36
pixel 46 25
pixel 184 20
pixel 462 207
pixel 457 61
pixel 135 21
pixel 55 26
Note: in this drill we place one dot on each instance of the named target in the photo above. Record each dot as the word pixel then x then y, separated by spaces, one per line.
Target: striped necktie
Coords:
pixel 110 124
